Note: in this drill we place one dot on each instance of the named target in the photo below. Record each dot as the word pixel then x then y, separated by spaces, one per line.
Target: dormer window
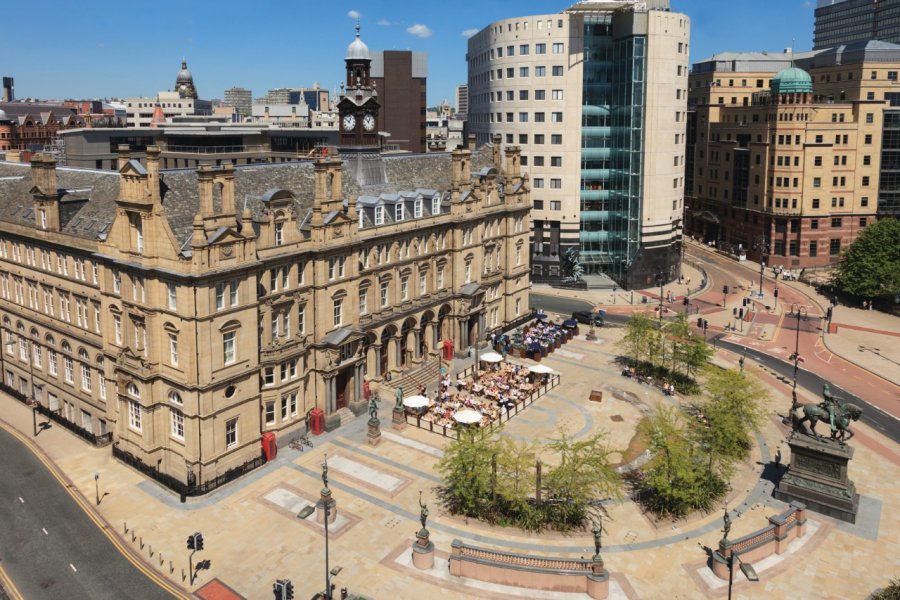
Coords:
pixel 279 233
pixel 418 208
pixel 138 229
pixel 43 216
pixel 436 205
pixel 398 212
pixel 379 215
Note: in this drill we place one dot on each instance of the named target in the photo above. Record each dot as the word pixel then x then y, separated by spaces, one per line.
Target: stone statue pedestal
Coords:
pixel 817 477
pixel 373 436
pixel 398 419
pixel 598 580
pixel 325 499
pixel 423 550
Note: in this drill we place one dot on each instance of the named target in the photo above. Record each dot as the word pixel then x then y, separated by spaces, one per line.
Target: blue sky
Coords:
pixel 134 49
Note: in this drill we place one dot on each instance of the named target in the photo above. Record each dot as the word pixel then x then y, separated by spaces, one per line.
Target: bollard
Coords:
pixel 125 526
pixel 161 561
pixel 133 536
pixel 171 568
pixel 151 551
pixel 142 542
pixel 183 576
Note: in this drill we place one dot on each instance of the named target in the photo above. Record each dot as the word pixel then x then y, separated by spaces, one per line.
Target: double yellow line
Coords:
pixel 88 510
pixel 9 587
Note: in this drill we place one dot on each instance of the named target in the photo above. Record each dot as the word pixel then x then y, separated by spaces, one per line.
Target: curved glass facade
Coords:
pixel 612 146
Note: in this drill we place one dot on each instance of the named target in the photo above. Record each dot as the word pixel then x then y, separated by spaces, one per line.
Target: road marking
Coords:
pixel 45 531
pixel 20 500
pixel 74 570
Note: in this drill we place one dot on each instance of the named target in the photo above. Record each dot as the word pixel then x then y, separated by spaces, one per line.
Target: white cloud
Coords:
pixel 419 30
pixel 354 14
pixel 469 33
pixel 383 23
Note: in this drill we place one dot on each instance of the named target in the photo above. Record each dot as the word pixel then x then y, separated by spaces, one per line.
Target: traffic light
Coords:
pixel 278 590
pixel 686 301
pixel 734 311
pixel 700 322
pixel 198 541
pixel 725 289
pixel 741 313
pixel 744 302
pixel 776 292
pixel 190 543
pixel 288 590
pixel 705 324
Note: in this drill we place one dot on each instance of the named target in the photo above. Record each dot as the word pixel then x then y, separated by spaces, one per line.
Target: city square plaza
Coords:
pixel 254 535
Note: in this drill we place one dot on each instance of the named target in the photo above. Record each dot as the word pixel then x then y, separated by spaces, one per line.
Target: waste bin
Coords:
pixel 317 421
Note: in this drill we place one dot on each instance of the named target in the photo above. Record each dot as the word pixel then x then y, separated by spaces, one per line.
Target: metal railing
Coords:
pixel 180 487
pixel 102 439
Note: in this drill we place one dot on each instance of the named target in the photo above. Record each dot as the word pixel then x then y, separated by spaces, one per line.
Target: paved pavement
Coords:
pixel 253 535
pixel 51 548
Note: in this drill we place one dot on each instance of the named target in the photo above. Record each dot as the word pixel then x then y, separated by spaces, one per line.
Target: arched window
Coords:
pixel 133 391
pixel 85 370
pixel 175 398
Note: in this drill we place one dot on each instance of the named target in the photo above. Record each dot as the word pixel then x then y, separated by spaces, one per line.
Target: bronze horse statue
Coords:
pixel 843 415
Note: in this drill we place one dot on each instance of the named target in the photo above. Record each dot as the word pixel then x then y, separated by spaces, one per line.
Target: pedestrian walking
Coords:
pixel 778 458
pixel 870 305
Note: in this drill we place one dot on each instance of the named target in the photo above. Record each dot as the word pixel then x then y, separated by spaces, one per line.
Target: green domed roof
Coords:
pixel 792 81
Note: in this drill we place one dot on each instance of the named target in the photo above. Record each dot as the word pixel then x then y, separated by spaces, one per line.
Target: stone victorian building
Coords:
pixel 182 314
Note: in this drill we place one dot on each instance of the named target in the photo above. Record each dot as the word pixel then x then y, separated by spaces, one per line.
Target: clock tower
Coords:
pixel 358 104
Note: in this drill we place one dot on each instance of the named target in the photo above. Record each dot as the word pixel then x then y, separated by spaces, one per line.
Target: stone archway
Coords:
pixel 426 335
pixel 384 352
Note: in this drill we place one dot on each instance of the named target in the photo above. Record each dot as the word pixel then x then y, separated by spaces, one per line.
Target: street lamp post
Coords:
pixel 660 279
pixel 763 247
pixel 97 487
pixel 746 568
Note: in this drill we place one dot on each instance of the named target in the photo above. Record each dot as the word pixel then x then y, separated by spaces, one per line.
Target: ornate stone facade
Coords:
pixel 189 312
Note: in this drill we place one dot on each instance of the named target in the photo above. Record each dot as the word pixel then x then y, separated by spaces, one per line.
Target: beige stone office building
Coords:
pixel 596 96
pixel 791 157
pixel 182 314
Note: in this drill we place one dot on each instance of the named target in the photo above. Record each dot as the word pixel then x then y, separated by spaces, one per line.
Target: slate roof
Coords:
pixel 87 198
pixel 88 207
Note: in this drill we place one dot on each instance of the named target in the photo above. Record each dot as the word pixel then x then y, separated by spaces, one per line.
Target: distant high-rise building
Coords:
pixel 9 93
pixel 845 21
pixel 462 100
pixel 596 98
pixel 241 99
pixel 400 79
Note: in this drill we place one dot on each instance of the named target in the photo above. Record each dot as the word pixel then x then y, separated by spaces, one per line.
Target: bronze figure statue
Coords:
pixel 325 471
pixel 597 530
pixel 838 414
pixel 373 407
pixel 727 521
pixel 423 512
pixel 398 398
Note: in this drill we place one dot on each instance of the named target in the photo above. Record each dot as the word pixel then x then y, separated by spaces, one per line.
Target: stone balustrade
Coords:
pixel 572 575
pixel 772 539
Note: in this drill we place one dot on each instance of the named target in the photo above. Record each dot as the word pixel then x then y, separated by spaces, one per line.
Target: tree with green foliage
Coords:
pixel 584 474
pixel 891 592
pixel 870 267
pixel 676 480
pixel 640 339
pixel 734 407
pixel 466 467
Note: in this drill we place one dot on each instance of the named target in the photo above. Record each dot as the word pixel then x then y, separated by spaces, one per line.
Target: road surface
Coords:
pixel 49 547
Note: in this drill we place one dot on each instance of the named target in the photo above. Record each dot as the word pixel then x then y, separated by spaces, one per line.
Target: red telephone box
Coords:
pixel 448 349
pixel 270 449
pixel 317 421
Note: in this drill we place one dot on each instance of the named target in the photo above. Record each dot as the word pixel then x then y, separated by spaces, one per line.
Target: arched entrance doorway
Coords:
pixel 384 351
pixel 424 330
pixel 405 349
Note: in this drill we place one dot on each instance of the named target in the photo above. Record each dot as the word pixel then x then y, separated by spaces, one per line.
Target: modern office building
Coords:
pixel 401 80
pixel 189 145
pixel 793 156
pixel 462 100
pixel 241 99
pixel 596 97
pixel 846 21
pixel 9 90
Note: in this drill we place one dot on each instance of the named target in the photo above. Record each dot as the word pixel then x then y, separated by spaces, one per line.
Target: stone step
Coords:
pixel 426 374
pixel 346 415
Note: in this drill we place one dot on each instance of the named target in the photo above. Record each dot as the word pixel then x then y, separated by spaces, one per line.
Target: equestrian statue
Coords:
pixel 837 413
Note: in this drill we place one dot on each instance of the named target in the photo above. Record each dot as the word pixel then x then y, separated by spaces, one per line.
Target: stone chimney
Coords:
pixel 461 167
pixel 124 152
pixel 472 142
pixel 495 151
pixel 513 162
pixel 45 192
pixel 153 173
pixel 43 175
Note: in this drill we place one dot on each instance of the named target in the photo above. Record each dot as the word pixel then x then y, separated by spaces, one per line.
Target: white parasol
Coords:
pixel 540 369
pixel 467 417
pixel 491 357
pixel 416 402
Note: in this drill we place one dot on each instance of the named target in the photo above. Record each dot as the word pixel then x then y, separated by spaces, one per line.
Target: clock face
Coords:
pixel 349 122
pixel 369 122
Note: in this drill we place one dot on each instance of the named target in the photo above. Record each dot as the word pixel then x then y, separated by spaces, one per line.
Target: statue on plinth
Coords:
pixel 398 398
pixel 727 525
pixel 325 473
pixel 373 407
pixel 597 530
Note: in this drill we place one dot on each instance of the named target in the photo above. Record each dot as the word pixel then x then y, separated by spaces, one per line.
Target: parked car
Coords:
pixel 588 318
